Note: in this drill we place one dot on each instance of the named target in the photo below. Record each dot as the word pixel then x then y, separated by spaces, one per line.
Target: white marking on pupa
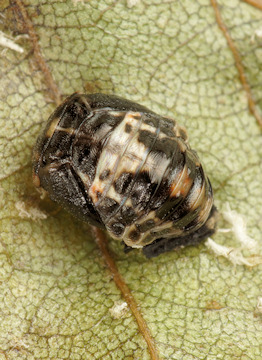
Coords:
pixel 100 134
pixel 119 147
pixel 85 178
pixel 156 165
pixel 70 131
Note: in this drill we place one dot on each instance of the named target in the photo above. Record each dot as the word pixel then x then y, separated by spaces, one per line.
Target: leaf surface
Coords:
pixel 58 299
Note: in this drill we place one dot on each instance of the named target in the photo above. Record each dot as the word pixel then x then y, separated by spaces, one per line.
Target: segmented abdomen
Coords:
pixel 118 165
pixel 148 182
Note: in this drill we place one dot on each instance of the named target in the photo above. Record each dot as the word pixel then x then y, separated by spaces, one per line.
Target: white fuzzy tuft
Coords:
pixel 234 255
pixel 29 211
pixel 239 228
pixel 9 43
pixel 259 305
pixel 119 310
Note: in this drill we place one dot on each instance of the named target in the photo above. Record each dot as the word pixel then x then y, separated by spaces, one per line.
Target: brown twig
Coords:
pixel 255 3
pixel 251 103
pixel 102 244
pixel 100 238
pixel 41 63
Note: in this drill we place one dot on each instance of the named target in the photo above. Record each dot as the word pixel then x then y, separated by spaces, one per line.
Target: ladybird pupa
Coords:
pixel 121 167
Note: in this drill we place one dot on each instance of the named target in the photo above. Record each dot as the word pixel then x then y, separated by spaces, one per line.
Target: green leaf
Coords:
pixel 58 299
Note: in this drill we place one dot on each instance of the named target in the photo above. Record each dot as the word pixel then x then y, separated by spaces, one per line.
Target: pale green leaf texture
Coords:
pixel 57 297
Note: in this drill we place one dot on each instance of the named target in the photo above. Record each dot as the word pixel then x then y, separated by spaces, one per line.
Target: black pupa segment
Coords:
pixel 134 187
pixel 160 246
pixel 53 169
pixel 53 144
pixel 66 188
pixel 90 141
pixel 113 102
